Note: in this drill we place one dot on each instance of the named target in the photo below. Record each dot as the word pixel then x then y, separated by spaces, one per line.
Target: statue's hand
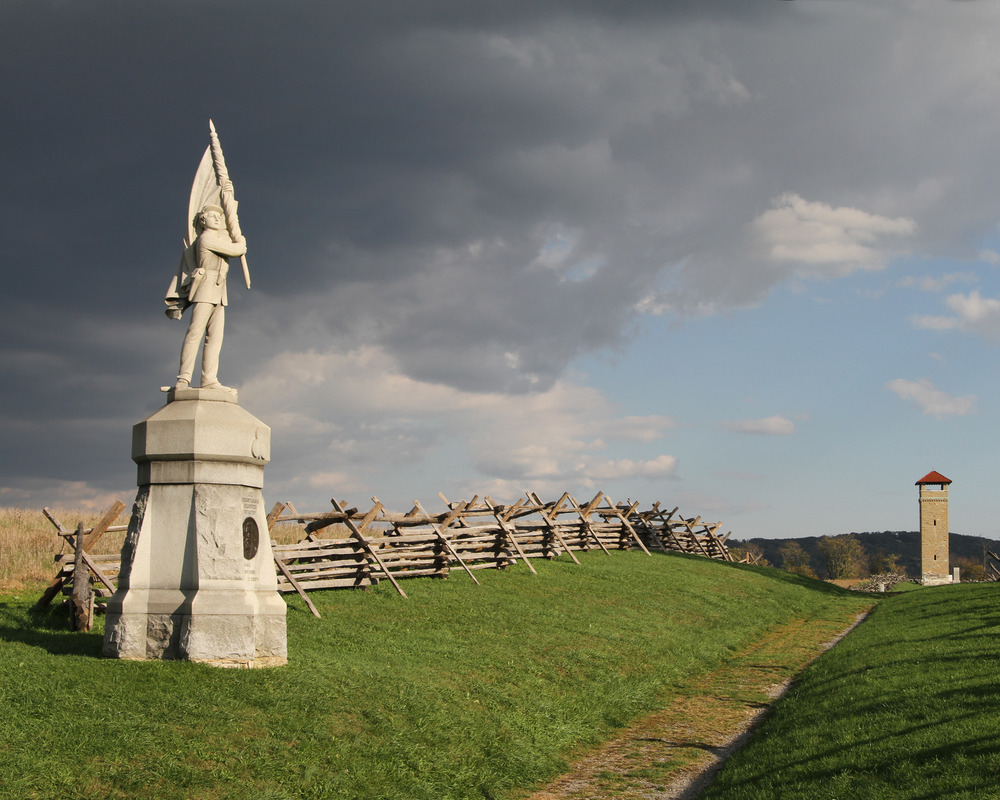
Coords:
pixel 173 313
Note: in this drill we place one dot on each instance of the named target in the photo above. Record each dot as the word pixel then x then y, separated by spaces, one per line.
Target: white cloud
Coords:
pixel 657 303
pixel 770 426
pixel 662 466
pixel 62 495
pixel 723 506
pixel 930 399
pixel 588 473
pixel 930 283
pixel 972 313
pixel 640 429
pixel 343 481
pixel 974 309
pixel 827 241
pixel 931 322
pixel 386 420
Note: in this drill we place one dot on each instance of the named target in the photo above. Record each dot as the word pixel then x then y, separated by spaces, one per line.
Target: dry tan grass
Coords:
pixel 30 543
pixel 288 533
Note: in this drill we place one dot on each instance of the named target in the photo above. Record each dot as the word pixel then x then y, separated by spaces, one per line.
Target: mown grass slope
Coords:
pixel 462 691
pixel 908 706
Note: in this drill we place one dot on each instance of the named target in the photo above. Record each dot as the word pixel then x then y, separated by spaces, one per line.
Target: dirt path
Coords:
pixel 673 754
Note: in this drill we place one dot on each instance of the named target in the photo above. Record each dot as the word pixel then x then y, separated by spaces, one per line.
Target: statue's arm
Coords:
pixel 221 243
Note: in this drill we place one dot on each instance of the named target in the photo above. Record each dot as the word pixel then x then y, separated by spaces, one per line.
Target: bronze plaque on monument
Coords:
pixel 251 538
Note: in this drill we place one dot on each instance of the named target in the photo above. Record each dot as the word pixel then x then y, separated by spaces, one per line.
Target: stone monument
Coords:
pixel 197 580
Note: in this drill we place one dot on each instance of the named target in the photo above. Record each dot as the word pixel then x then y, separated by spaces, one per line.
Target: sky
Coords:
pixel 741 257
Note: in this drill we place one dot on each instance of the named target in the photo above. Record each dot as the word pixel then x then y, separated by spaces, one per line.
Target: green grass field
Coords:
pixel 462 691
pixel 907 706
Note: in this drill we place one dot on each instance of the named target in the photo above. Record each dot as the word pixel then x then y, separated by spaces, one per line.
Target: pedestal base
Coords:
pixel 197 580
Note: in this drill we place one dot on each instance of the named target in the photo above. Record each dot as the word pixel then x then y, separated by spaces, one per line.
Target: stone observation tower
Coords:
pixel 934 529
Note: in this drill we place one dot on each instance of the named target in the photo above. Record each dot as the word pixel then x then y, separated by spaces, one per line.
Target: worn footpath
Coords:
pixel 672 754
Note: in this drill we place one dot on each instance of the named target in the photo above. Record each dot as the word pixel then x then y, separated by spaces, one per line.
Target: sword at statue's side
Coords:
pixel 229 203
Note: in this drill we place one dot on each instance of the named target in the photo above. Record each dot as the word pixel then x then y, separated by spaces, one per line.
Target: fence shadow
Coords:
pixel 47 629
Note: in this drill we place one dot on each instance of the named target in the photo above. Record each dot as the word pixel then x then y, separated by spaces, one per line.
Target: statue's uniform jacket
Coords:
pixel 213 248
pixel 206 293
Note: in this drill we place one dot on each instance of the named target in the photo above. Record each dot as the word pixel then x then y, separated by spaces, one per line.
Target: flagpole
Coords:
pixel 229 203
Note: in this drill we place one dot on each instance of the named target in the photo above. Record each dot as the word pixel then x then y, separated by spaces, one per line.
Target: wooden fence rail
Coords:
pixel 377 544
pixel 102 569
pixel 992 571
pixel 474 534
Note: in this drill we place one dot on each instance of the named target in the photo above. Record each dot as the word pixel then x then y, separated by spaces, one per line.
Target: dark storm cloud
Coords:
pixel 486 191
pixel 372 126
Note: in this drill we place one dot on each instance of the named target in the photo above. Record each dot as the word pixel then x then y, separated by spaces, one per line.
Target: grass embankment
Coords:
pixel 462 691
pixel 906 707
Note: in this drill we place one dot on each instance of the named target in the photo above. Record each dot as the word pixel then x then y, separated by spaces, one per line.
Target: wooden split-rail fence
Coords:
pixel 349 548
pixel 992 571
pixel 82 573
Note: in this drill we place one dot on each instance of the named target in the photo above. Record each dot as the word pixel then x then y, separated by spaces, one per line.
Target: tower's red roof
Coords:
pixel 933 477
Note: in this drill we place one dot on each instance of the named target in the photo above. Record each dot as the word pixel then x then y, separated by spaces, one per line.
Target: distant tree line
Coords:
pixel 858 555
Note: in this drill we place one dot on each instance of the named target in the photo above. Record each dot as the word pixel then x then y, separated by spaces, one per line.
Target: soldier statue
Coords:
pixel 213 238
pixel 204 289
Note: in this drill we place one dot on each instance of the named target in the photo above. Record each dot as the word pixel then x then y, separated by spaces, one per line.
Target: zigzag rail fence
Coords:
pixel 992 571
pixel 378 544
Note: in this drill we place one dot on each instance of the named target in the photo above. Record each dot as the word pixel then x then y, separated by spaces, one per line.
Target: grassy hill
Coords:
pixel 462 691
pixel 904 708
pixel 905 545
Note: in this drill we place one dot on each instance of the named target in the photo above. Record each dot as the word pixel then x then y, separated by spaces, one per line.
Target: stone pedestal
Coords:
pixel 197 580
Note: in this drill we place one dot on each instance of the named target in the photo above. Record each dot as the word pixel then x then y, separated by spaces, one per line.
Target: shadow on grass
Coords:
pixel 918 717
pixel 824 768
pixel 814 584
pixel 47 629
pixel 715 749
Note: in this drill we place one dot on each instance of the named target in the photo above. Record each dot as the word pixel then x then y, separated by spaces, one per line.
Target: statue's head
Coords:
pixel 211 217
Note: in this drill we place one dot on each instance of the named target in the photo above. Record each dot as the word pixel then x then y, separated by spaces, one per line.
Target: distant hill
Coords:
pixel 905 545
